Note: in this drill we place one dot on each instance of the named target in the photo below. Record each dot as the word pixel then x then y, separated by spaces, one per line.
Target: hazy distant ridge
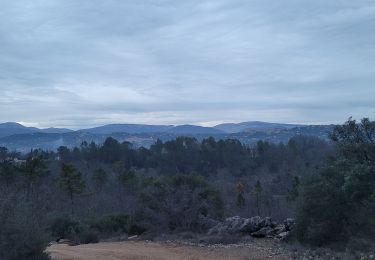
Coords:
pixel 21 138
pixel 253 125
pixel 11 128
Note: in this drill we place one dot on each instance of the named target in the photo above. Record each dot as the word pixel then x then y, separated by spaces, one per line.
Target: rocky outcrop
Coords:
pixel 66 242
pixel 289 224
pixel 263 232
pixel 254 226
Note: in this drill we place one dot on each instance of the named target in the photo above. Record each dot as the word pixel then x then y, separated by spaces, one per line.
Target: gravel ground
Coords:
pixel 251 249
pixel 140 250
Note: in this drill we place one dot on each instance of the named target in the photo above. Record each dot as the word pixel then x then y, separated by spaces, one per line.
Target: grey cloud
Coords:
pixel 82 63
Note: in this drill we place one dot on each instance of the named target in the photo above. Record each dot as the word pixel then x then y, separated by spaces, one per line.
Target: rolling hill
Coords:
pixel 193 129
pixel 12 128
pixel 17 137
pixel 252 125
pixel 128 128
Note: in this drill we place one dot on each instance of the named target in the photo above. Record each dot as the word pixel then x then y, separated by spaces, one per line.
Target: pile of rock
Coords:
pixel 64 242
pixel 254 226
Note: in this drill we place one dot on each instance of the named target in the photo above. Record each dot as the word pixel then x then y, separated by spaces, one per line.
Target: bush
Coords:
pixel 22 242
pixel 120 223
pixel 63 227
pixel 88 236
pixel 135 229
pixel 21 236
pixel 112 224
pixel 75 231
pixel 337 203
pixel 178 202
pixel 323 212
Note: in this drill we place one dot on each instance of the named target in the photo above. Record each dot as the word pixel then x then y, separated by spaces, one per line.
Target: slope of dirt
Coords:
pixel 141 250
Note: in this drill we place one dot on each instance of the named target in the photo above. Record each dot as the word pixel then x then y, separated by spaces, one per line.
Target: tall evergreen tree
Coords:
pixel 34 169
pixel 71 182
pixel 240 195
pixel 257 191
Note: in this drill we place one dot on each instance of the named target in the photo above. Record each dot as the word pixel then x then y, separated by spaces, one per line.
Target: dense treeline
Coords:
pixel 97 191
pixel 224 164
pixel 338 203
pixel 186 155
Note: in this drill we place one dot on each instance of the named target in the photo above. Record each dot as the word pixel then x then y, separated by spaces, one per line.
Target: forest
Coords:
pixel 96 191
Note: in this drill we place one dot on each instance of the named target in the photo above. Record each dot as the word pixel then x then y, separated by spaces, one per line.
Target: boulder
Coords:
pixel 251 225
pixel 230 225
pixel 66 242
pixel 133 237
pixel 289 224
pixel 266 222
pixel 255 226
pixel 263 232
pixel 279 229
pixel 283 235
pixel 206 223
pixel 237 224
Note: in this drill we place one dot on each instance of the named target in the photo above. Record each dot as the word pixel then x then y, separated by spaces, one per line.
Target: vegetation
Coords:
pixel 97 191
pixel 257 192
pixel 337 203
pixel 71 182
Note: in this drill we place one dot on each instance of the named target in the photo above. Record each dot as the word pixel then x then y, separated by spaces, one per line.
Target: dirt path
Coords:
pixel 140 250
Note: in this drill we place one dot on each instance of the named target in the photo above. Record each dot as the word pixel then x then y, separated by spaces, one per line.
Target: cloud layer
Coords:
pixel 76 63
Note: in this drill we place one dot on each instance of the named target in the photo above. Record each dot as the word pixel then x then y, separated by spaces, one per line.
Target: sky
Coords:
pixel 80 63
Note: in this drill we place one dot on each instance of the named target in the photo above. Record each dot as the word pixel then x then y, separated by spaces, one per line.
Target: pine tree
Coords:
pixel 34 170
pixel 71 182
pixel 240 198
pixel 257 191
pixel 100 178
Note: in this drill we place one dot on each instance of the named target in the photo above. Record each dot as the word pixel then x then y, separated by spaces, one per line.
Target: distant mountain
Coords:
pixel 11 128
pixel 282 135
pixel 51 141
pixel 253 125
pixel 193 129
pixel 15 136
pixel 128 128
pixel 53 130
pixel 141 129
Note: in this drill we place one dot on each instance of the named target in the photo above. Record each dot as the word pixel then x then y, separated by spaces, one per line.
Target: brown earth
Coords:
pixel 141 250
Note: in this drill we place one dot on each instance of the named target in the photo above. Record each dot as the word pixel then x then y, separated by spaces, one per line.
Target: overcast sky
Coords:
pixel 81 63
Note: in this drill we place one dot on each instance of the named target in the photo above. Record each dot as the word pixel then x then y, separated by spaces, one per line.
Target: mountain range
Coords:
pixel 11 128
pixel 253 126
pixel 15 136
pixel 141 129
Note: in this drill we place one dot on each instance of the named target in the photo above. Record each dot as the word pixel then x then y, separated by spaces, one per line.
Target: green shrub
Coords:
pixel 19 242
pixel 64 227
pixel 21 233
pixel 135 229
pixel 88 236
pixel 120 223
pixel 112 224
pixel 338 203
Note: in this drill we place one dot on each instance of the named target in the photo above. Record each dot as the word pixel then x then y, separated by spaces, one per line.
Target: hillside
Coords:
pixel 193 129
pixel 253 125
pixel 127 128
pixel 12 128
pixel 25 140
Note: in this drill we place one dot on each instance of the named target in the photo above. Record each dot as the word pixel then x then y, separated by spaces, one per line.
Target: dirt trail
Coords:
pixel 140 250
